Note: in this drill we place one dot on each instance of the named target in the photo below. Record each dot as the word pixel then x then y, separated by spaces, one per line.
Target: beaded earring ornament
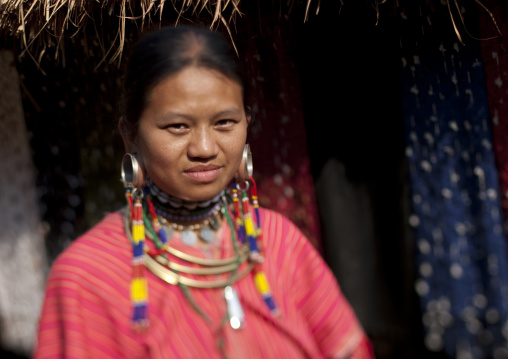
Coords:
pixel 254 236
pixel 240 230
pixel 255 204
pixel 252 229
pixel 132 179
pixel 159 231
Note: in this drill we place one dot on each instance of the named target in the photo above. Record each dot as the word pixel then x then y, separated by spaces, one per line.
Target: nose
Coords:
pixel 202 145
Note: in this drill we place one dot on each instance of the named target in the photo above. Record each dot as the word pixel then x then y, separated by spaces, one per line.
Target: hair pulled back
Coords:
pixel 167 51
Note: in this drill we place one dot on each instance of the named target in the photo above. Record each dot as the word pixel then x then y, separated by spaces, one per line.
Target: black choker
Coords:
pixel 186 216
pixel 177 203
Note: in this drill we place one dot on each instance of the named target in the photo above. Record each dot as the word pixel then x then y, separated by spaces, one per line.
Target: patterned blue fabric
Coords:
pixel 456 212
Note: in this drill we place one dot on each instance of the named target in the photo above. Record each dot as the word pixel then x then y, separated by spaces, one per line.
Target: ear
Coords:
pixel 128 134
pixel 248 114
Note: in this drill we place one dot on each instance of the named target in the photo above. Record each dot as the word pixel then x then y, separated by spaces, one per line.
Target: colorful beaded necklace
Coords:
pixel 147 227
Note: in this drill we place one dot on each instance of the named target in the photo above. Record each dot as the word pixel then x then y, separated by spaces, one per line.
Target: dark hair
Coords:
pixel 164 52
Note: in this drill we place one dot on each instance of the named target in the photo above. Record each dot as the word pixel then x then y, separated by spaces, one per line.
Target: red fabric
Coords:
pixel 495 64
pixel 277 135
pixel 87 308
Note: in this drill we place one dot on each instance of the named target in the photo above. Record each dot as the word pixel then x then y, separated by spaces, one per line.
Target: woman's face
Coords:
pixel 192 133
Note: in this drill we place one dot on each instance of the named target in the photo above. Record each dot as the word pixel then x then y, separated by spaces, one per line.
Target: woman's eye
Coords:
pixel 225 123
pixel 177 126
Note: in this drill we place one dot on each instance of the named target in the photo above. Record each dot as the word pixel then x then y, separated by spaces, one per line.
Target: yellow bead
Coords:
pixel 138 233
pixel 138 289
pixel 249 227
pixel 261 282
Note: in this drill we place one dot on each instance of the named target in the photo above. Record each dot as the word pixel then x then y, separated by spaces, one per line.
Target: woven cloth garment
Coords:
pixel 456 210
pixel 87 305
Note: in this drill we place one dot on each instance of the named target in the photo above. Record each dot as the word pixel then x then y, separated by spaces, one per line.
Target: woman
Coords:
pixel 192 267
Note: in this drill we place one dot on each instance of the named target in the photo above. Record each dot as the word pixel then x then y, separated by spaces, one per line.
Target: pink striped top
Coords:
pixel 87 308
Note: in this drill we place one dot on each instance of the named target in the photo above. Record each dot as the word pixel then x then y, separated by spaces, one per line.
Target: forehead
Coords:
pixel 196 88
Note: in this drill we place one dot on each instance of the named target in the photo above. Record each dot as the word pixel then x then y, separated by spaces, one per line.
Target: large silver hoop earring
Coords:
pixel 247 160
pixel 244 173
pixel 246 167
pixel 132 175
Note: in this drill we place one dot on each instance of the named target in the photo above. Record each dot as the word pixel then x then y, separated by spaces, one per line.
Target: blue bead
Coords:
pixel 138 249
pixel 241 234
pixel 253 244
pixel 139 312
pixel 270 303
pixel 162 236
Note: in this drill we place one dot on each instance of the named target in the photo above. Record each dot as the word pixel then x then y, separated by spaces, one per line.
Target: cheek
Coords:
pixel 237 146
pixel 152 150
pixel 159 154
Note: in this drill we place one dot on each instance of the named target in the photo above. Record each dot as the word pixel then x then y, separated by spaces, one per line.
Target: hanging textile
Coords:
pixel 355 137
pixel 277 133
pixel 495 59
pixel 456 211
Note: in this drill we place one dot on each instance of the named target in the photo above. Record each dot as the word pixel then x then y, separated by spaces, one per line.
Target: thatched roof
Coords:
pixel 46 24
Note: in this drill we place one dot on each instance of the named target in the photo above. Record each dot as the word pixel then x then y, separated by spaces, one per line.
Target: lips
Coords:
pixel 203 173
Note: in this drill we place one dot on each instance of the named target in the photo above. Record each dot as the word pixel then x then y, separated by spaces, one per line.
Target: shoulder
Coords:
pixel 103 253
pixel 273 219
pixel 277 223
pixel 280 233
pixel 107 236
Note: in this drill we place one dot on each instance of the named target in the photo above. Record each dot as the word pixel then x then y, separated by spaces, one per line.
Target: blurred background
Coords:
pixel 380 130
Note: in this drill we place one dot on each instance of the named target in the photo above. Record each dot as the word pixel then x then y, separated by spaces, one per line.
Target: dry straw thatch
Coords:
pixel 44 24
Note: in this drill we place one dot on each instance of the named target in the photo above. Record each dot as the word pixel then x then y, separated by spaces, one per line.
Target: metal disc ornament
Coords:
pixel 214 222
pixel 169 231
pixel 206 234
pixel 189 237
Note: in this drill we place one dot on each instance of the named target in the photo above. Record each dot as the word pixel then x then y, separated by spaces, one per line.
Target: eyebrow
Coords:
pixel 228 112
pixel 177 115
